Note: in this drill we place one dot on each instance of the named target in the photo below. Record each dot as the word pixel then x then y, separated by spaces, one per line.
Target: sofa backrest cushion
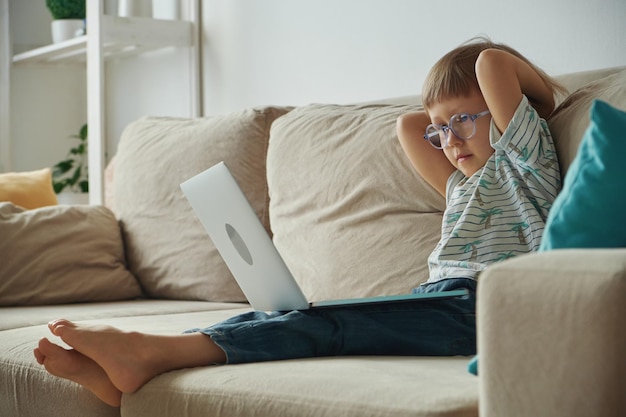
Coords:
pixel 571 118
pixel 349 214
pixel 167 248
pixel 62 254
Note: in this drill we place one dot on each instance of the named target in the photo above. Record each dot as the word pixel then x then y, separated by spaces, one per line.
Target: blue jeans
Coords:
pixel 443 327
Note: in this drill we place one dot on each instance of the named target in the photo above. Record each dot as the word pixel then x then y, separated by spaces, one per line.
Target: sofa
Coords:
pixel 351 218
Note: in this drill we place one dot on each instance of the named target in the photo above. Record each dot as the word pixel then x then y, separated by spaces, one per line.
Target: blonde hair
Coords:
pixel 454 74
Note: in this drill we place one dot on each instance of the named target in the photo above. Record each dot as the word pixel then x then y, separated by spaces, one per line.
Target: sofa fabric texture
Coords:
pixel 571 355
pixel 62 254
pixel 570 120
pixel 167 249
pixel 351 218
pixel 342 195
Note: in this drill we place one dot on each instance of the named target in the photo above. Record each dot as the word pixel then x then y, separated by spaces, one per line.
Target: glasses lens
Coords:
pixel 434 136
pixel 462 125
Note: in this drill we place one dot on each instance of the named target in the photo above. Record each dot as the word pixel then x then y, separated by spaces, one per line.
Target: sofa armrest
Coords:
pixel 551 335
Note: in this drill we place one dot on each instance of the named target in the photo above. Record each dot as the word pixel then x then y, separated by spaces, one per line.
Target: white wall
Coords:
pixel 154 84
pixel 47 105
pixel 295 51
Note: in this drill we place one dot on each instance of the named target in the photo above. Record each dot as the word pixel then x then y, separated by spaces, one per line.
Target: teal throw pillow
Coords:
pixel 472 366
pixel 588 212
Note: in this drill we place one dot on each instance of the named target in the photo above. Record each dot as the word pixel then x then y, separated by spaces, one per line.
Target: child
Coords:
pixel 498 169
pixel 487 150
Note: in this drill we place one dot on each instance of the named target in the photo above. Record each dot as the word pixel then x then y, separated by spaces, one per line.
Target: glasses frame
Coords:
pixel 446 129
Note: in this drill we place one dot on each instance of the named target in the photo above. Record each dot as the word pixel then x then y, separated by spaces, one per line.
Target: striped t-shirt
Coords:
pixel 500 211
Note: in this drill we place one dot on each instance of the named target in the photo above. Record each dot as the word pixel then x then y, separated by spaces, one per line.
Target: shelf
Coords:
pixel 110 37
pixel 70 51
pixel 122 36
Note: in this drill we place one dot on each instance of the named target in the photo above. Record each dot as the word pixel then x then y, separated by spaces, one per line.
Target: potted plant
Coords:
pixel 71 175
pixel 69 18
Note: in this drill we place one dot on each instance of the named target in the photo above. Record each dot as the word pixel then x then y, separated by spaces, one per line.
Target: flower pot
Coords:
pixel 64 29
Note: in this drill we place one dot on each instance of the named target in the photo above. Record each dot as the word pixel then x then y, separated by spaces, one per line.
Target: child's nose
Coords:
pixel 453 140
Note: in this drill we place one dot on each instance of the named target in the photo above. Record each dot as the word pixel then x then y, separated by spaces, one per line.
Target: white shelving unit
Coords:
pixel 108 37
pixel 5 65
pixel 121 36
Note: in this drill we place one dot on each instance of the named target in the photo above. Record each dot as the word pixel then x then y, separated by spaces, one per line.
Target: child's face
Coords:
pixel 468 156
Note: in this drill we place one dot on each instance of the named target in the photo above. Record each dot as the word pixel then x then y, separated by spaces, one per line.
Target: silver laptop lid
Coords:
pixel 242 241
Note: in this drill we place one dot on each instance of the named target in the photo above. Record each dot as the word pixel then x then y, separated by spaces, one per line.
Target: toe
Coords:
pixel 57 326
pixel 46 347
pixel 39 356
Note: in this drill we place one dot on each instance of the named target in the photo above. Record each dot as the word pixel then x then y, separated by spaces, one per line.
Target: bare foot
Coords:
pixel 70 364
pixel 122 355
pixel 130 359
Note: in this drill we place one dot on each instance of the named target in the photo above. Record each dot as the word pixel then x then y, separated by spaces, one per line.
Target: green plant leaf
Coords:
pixel 63 167
pixel 66 9
pixel 58 187
pixel 72 172
pixel 83 133
pixel 74 178
pixel 79 150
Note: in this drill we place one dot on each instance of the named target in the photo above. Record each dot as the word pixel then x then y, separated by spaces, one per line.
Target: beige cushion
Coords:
pixel 574 80
pixel 26 316
pixel 551 335
pixel 571 118
pixel 167 247
pixel 348 386
pixel 30 189
pixel 350 215
pixel 62 254
pixel 380 386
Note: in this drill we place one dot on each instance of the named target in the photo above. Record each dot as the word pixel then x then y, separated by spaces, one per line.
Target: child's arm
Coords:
pixel 503 78
pixel 429 162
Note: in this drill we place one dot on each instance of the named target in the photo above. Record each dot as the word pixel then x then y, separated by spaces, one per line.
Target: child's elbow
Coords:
pixel 492 59
pixel 403 123
pixel 409 125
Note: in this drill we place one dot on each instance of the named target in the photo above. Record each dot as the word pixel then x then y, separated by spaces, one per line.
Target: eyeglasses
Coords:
pixel 462 125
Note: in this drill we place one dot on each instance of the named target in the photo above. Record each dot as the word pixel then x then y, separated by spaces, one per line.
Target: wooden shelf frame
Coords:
pixel 137 34
pixel 108 37
pixel 121 36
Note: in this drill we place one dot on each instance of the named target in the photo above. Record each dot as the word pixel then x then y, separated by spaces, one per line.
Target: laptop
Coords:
pixel 249 252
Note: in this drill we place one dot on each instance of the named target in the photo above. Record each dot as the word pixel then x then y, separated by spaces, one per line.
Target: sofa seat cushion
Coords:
pixel 26 316
pixel 349 214
pixel 343 386
pixel 167 248
pixel 26 389
pixel 348 386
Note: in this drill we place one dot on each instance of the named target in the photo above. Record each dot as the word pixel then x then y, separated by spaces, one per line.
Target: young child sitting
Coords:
pixel 482 142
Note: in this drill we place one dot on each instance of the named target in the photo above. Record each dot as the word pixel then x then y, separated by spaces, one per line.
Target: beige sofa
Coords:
pixel 351 218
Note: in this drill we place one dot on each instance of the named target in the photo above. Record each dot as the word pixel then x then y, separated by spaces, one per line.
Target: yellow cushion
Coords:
pixel 30 190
